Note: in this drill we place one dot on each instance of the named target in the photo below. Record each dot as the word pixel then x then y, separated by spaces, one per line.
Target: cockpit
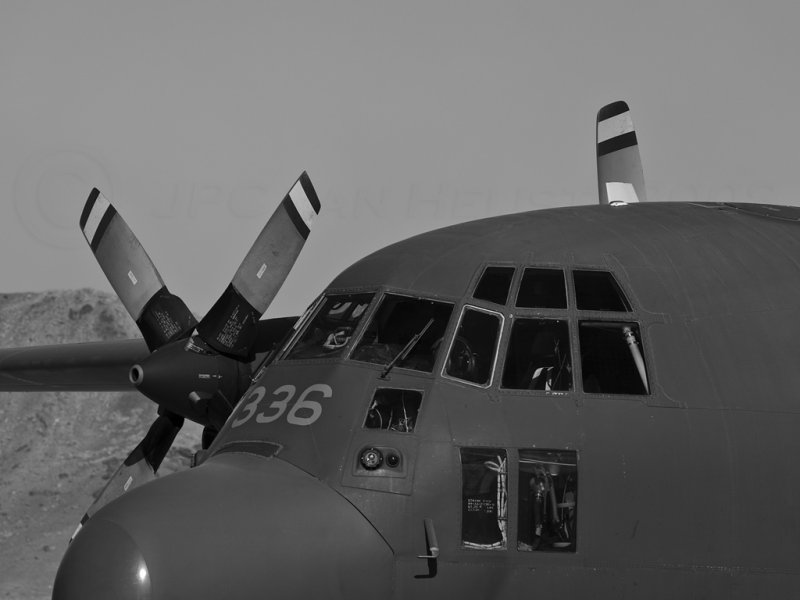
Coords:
pixel 404 331
pixel 516 330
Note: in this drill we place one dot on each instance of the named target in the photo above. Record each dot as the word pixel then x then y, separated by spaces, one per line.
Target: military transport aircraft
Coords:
pixel 582 402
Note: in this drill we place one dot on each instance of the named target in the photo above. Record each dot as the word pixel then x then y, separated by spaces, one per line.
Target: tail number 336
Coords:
pixel 304 410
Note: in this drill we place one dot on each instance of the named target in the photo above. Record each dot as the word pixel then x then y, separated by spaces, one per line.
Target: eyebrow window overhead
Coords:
pixel 494 284
pixel 542 288
pixel 598 290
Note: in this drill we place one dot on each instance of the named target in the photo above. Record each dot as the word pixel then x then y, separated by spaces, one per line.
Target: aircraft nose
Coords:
pixel 239 526
pixel 106 563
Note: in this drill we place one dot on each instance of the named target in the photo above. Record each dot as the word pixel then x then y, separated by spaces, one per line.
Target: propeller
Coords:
pixel 194 371
pixel 620 179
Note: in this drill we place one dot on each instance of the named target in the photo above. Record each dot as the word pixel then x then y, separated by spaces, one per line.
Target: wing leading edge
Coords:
pixel 87 367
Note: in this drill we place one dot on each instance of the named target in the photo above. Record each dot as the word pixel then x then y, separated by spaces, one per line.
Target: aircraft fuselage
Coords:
pixel 675 477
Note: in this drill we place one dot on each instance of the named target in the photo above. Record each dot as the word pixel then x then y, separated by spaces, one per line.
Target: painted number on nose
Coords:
pixel 303 412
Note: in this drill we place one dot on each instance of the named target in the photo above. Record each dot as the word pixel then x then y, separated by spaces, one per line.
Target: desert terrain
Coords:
pixel 58 449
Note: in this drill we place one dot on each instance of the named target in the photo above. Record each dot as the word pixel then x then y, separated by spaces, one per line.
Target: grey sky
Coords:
pixel 195 119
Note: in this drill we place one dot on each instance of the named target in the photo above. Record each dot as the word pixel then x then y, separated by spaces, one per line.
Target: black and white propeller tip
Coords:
pixel 619 167
pixel 229 327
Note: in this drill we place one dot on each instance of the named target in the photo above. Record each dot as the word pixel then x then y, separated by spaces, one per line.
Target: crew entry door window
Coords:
pixel 484 498
pixel 547 500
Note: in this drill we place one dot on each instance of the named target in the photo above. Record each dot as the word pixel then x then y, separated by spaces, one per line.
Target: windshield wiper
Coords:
pixel 406 349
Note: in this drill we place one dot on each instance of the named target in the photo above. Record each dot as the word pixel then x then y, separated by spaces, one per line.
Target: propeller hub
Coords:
pixel 200 387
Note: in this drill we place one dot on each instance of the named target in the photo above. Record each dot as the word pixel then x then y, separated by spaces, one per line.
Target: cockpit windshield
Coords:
pixel 331 329
pixel 395 324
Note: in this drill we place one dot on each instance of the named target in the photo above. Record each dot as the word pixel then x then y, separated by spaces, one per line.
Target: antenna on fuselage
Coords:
pixel 620 179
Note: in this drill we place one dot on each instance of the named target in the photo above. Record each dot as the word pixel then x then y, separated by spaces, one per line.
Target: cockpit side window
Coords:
pixel 542 288
pixel 494 284
pixel 612 359
pixel 402 323
pixel 474 347
pixel 538 356
pixel 598 290
pixel 331 329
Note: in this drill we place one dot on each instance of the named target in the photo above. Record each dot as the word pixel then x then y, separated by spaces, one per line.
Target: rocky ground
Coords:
pixel 58 449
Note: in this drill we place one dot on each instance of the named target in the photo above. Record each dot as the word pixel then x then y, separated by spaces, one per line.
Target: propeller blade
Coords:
pixel 141 465
pixel 620 178
pixel 230 326
pixel 160 315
